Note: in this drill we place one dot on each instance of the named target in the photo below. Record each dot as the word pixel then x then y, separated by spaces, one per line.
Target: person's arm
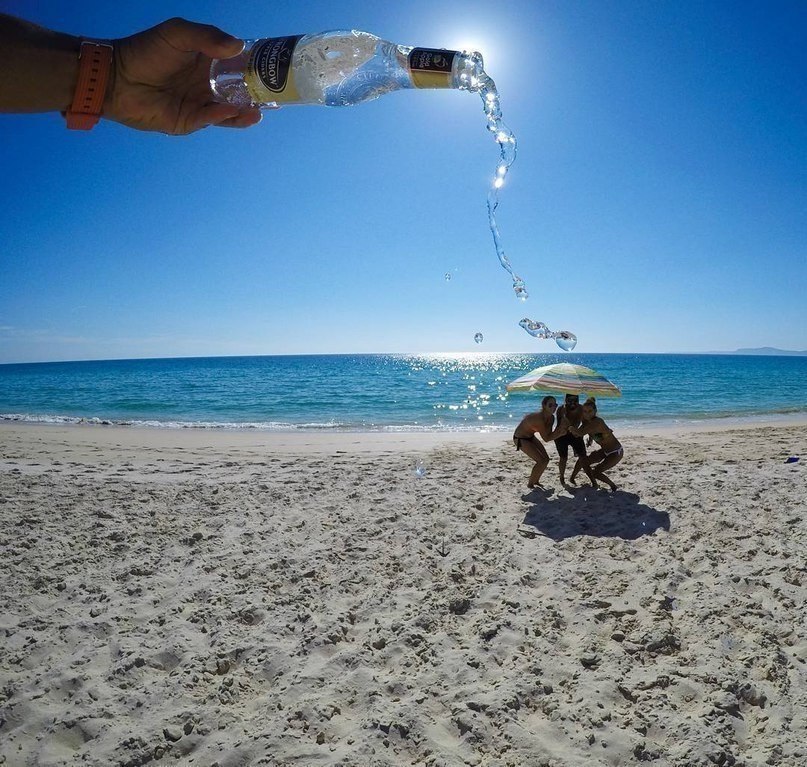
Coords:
pixel 561 429
pixel 39 67
pixel 587 427
pixel 545 431
pixel 159 79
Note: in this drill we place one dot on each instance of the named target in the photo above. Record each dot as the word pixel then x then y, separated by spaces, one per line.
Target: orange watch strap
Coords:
pixel 94 65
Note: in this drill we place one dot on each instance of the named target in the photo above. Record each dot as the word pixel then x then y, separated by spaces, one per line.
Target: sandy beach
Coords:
pixel 222 598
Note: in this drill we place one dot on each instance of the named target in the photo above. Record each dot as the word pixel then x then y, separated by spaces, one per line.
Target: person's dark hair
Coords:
pixel 546 400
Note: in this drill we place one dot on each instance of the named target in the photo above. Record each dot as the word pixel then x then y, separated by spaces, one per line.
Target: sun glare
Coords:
pixel 470 41
pixel 474 45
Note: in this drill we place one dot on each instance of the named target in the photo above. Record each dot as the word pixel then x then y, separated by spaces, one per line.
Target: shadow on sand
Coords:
pixel 591 512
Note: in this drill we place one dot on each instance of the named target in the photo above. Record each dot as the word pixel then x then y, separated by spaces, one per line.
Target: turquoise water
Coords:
pixel 389 392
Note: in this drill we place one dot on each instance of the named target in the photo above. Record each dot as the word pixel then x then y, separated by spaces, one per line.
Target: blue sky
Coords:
pixel 657 202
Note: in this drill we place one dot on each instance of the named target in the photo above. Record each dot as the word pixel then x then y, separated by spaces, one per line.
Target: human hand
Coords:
pixel 161 80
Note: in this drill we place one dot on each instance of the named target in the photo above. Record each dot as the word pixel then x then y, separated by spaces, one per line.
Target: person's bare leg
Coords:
pixel 537 471
pixel 609 463
pixel 599 475
pixel 583 462
pixel 562 460
pixel 535 451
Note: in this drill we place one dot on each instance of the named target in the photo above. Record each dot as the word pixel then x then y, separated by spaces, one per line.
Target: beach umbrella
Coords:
pixel 566 379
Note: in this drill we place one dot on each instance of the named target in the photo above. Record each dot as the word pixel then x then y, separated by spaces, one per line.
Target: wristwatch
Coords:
pixel 94 65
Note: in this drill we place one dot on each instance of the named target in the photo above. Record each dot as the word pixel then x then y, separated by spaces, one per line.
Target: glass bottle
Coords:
pixel 337 68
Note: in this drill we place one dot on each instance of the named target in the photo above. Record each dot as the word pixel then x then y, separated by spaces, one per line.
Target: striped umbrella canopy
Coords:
pixel 566 379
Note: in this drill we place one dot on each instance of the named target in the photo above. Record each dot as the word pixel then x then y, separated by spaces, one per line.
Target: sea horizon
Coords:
pixel 757 352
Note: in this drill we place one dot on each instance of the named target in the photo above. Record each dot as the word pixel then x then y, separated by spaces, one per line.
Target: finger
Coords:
pixel 188 36
pixel 209 114
pixel 244 120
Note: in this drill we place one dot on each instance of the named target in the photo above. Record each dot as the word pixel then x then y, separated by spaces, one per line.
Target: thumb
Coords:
pixel 188 36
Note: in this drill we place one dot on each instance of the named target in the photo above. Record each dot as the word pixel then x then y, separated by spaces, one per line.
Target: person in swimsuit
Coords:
pixel 610 450
pixel 571 412
pixel 525 437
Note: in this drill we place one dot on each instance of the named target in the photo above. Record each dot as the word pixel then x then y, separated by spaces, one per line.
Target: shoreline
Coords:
pixel 115 435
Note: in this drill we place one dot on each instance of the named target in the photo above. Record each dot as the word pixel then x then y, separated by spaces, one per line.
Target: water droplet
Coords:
pixel 535 329
pixel 566 340
pixel 520 289
pixel 479 338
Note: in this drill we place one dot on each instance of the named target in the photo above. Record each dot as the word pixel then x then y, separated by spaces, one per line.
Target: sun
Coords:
pixel 492 48
pixel 475 43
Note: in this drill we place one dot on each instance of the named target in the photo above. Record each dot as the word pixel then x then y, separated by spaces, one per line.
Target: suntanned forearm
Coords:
pixel 39 67
pixel 159 79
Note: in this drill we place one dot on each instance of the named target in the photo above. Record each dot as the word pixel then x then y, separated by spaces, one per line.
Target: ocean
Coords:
pixel 390 392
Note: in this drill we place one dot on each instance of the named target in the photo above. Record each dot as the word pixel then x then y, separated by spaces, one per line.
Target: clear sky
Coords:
pixel 657 203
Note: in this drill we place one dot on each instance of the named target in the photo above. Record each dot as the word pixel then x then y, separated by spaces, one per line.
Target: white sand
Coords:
pixel 201 598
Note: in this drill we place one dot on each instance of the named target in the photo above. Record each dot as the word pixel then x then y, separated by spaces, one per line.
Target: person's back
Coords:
pixel 602 434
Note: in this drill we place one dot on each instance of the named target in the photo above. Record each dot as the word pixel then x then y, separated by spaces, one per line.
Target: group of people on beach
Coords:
pixel 567 426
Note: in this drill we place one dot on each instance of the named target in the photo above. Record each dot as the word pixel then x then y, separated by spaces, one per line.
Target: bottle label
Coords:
pixel 431 67
pixel 269 75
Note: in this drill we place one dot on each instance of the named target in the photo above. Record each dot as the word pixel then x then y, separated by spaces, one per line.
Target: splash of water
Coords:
pixel 507 156
pixel 563 338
